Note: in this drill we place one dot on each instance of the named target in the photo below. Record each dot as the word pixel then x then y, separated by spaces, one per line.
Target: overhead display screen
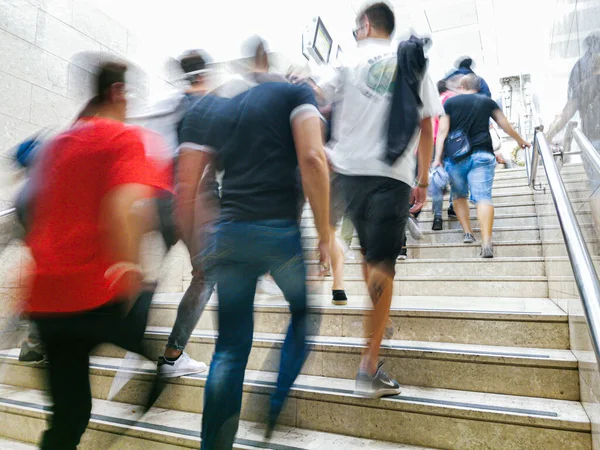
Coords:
pixel 322 42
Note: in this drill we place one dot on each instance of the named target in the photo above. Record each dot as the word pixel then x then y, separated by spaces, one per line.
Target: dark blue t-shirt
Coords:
pixel 251 136
pixel 471 113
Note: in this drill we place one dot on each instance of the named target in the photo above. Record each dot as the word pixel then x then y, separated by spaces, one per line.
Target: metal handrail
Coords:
pixel 8 212
pixel 584 271
pixel 586 147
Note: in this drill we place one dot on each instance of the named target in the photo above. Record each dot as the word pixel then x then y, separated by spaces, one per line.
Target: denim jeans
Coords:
pixel 474 174
pixel 198 293
pixel 239 253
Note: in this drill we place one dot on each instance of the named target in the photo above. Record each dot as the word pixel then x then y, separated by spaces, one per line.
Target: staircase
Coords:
pixel 481 351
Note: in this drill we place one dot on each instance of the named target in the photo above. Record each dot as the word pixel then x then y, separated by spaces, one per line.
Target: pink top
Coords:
pixel 436 123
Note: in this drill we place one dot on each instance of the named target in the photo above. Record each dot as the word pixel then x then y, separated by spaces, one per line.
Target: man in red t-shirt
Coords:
pixel 86 286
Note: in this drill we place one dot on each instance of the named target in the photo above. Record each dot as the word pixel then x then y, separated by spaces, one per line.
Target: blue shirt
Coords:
pixel 251 137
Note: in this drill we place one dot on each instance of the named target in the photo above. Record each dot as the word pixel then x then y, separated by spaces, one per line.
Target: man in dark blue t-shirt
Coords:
pixel 473 174
pixel 259 138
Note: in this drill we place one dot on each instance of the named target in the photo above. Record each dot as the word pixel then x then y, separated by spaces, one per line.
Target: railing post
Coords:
pixel 535 159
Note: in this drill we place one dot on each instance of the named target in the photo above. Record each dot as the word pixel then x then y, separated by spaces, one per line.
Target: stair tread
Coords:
pixel 491 353
pixel 458 244
pixel 498 260
pixel 530 411
pixel 7 444
pixel 179 427
pixel 449 277
pixel 477 307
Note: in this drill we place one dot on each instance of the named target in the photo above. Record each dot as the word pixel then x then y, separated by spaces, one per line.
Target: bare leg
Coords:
pixel 380 285
pixel 461 207
pixel 337 261
pixel 485 215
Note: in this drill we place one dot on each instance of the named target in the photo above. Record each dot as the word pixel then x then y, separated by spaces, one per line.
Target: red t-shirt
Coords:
pixel 76 171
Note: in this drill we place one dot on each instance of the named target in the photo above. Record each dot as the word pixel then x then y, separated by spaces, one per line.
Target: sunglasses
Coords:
pixel 355 31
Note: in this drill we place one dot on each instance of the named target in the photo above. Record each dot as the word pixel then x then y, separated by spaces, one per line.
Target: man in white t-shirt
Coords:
pixel 377 193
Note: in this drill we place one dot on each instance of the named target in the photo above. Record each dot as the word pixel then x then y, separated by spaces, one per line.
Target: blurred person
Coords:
pixel 254 69
pixel 337 205
pixel 84 235
pixel 259 137
pixel 437 190
pixel 585 99
pixel 465 146
pixel 463 66
pixel 164 120
pixel 26 154
pixel 585 67
pixel 379 126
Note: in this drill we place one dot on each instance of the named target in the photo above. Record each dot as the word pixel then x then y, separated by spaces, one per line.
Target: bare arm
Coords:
pixel 443 128
pixel 425 151
pixel 567 113
pixel 314 172
pixel 503 123
pixel 190 168
pixel 123 230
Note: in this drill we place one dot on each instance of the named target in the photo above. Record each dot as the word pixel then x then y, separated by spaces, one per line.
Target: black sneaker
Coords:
pixel 437 224
pixel 338 297
pixel 31 353
pixel 377 386
pixel 451 213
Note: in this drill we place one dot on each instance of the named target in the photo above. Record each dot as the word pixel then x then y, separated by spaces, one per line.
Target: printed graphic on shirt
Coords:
pixel 381 76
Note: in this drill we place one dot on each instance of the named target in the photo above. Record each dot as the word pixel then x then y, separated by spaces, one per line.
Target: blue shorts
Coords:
pixel 474 174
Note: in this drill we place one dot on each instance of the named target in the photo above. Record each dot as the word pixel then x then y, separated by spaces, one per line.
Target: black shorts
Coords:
pixel 378 208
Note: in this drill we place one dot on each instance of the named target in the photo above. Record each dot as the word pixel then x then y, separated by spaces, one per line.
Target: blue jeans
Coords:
pixel 474 174
pixel 239 253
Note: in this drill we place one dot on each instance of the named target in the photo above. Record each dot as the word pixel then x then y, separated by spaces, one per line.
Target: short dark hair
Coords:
pixel 442 86
pixel 380 16
pixel 109 73
pixel 193 61
pixel 471 82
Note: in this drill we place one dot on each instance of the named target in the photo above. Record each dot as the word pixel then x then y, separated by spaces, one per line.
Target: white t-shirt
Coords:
pixel 362 90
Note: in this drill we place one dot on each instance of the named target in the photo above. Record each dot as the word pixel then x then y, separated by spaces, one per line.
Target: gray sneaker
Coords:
pixel 377 386
pixel 487 251
pixel 468 238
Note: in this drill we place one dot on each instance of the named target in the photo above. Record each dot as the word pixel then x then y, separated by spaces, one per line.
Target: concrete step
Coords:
pixel 499 234
pixel 7 444
pixel 515 221
pixel 504 249
pixel 531 233
pixel 492 421
pixel 545 373
pixel 473 286
pixel 454 266
pixel 529 322
pixel 115 425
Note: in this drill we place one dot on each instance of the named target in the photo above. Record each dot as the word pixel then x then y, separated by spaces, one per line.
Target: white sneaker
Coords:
pixel 348 254
pixel 413 228
pixel 184 365
pixel 267 286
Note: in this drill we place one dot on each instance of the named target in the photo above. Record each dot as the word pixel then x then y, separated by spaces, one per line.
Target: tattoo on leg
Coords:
pixel 375 291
